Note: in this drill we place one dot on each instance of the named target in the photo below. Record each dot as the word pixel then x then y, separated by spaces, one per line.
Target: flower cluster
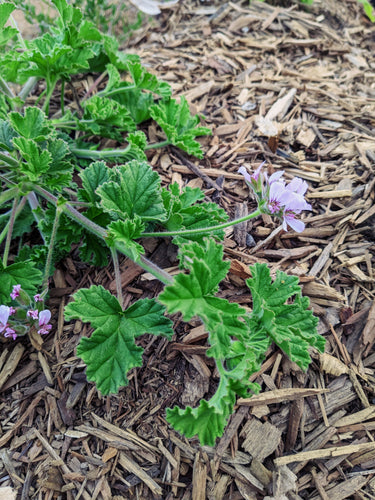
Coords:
pixel 274 197
pixel 16 321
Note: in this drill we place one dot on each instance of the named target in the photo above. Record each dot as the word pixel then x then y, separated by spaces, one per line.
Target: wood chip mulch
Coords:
pixel 295 88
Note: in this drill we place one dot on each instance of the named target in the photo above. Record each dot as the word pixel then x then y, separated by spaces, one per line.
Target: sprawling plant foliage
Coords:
pixel 115 206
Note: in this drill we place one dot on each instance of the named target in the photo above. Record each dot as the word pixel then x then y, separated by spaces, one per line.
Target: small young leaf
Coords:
pixel 144 80
pixel 134 191
pixel 37 161
pixel 7 135
pixel 32 125
pixel 92 177
pixel 126 232
pixel 179 125
pixel 8 32
pixel 106 118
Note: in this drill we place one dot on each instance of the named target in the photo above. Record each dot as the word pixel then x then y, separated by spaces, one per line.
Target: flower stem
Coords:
pixel 97 155
pixel 200 230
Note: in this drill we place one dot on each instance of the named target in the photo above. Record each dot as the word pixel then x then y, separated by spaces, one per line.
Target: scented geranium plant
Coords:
pixel 110 209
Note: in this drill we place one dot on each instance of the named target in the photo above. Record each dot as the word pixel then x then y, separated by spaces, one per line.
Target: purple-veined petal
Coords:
pixel 298 186
pixel 294 223
pixel 245 173
pixel 44 317
pixel 4 315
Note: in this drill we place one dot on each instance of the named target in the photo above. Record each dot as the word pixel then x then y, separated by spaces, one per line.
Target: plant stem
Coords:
pixel 116 268
pixel 51 84
pixel 6 89
pixel 158 145
pixel 97 155
pixel 9 160
pixel 8 195
pixel 146 264
pixel 200 230
pixel 8 241
pixel 28 87
pixel 19 209
pixel 50 247
pixel 104 93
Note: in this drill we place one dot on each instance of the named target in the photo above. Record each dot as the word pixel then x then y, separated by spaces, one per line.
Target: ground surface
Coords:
pixel 308 435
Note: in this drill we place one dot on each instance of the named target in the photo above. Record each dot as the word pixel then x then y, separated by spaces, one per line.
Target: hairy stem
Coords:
pixel 146 264
pixel 8 240
pixel 116 268
pixel 50 247
pixel 8 160
pixel 6 89
pixel 28 87
pixel 156 145
pixel 203 230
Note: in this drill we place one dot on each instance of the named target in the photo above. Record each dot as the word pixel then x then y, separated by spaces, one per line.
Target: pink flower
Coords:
pixel 276 198
pixel 9 332
pixel 37 298
pixel 44 317
pixel 16 292
pixel 32 313
pixel 4 315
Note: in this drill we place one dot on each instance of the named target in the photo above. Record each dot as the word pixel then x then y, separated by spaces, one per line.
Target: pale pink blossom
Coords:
pixel 44 317
pixel 16 292
pixel 4 315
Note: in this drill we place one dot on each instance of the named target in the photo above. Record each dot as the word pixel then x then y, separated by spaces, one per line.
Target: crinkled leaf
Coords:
pixel 106 117
pixel 179 125
pixel 137 103
pixel 6 135
pixel 97 306
pixel 134 191
pixel 21 273
pixel 144 80
pixel 125 232
pixel 68 13
pixel 185 213
pixel 37 161
pixel 6 33
pixel 290 325
pixel 111 351
pixel 92 177
pixel 192 294
pixel 208 420
pixel 31 125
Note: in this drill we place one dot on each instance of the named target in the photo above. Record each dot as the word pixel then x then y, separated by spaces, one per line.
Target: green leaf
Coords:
pixel 134 191
pixel 185 213
pixel 6 33
pixel 137 103
pixel 60 170
pixel 126 232
pixel 37 161
pixel 208 420
pixel 7 135
pixel 21 273
pixel 111 351
pixel 92 177
pixel 192 294
pixel 290 325
pixel 68 13
pixel 32 125
pixel 97 306
pixel 146 81
pixel 106 118
pixel 179 125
